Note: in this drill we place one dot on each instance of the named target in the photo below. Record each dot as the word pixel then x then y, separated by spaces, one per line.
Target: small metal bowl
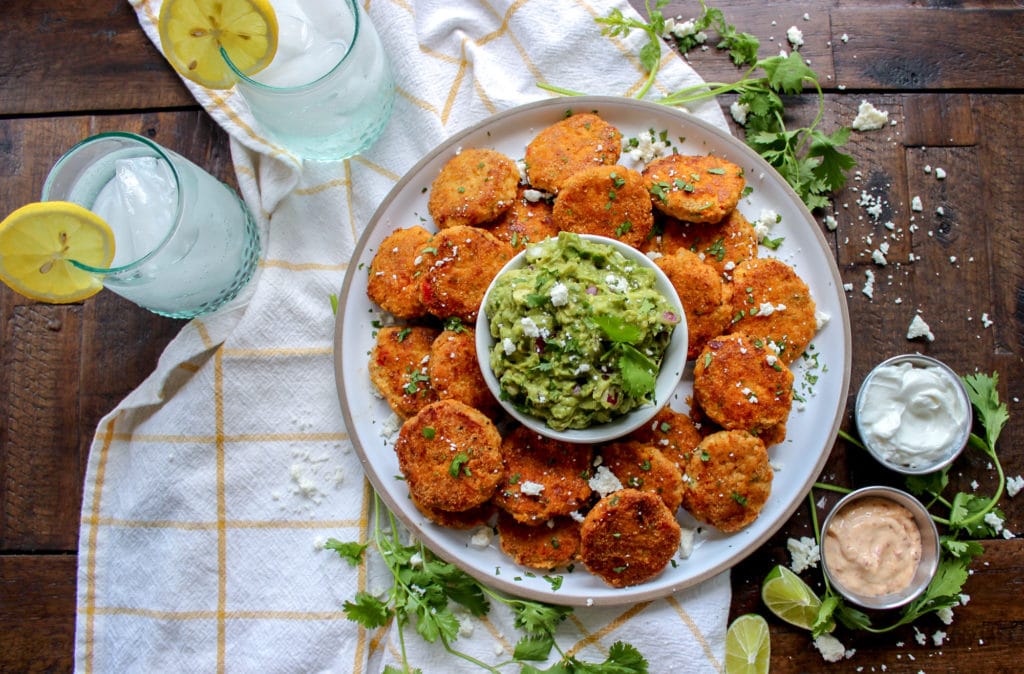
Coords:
pixel 673 361
pixel 917 466
pixel 926 567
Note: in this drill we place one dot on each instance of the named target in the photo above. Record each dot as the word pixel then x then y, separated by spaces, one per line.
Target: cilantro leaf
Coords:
pixel 534 647
pixel 367 610
pixel 834 164
pixel 351 552
pixel 983 391
pixel 787 74
pixel 617 329
pixel 639 373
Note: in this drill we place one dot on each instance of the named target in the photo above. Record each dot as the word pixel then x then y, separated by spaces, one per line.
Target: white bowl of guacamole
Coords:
pixel 581 338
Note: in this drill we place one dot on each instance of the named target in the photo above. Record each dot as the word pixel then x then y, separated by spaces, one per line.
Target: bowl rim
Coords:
pixel 673 363
pixel 930 548
pixel 952 376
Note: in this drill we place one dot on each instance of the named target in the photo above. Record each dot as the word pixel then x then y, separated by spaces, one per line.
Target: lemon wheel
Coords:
pixel 38 242
pixel 192 33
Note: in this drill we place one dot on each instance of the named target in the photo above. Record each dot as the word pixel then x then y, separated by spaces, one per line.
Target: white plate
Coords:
pixel 812 426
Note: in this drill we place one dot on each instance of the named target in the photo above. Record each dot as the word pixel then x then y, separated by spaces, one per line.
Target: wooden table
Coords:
pixel 951 75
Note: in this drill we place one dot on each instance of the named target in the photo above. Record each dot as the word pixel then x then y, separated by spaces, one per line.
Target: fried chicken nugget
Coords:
pixel 546 546
pixel 394 272
pixel 605 200
pixel 474 187
pixel 528 221
pixel 450 455
pixel 461 262
pixel 694 188
pixel 455 371
pixel 628 537
pixel 642 466
pixel 577 142
pixel 544 477
pixel 673 433
pixel 722 245
pixel 398 367
pixel 771 302
pixel 741 385
pixel 728 480
pixel 705 297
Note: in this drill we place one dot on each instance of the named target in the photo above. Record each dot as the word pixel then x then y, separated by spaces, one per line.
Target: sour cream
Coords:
pixel 872 547
pixel 913 414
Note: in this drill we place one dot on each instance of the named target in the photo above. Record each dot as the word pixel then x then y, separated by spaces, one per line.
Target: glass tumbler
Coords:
pixel 329 90
pixel 184 242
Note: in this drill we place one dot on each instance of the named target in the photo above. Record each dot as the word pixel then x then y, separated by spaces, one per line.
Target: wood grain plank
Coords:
pixel 77 55
pixel 37 612
pixel 938 120
pixel 914 48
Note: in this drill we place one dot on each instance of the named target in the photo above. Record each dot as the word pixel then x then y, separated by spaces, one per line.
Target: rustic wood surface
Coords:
pixel 951 74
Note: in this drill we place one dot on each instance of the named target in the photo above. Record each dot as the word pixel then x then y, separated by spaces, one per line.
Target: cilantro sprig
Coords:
pixel 967 520
pixel 426 587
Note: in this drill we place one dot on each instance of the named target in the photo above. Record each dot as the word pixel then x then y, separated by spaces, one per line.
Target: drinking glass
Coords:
pixel 329 90
pixel 184 242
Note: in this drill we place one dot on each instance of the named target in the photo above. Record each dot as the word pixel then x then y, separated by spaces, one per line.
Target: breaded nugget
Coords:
pixel 450 455
pixel 628 537
pixel 605 200
pixel 728 480
pixel 474 187
pixel 398 367
pixel 528 221
pixel 705 297
pixel 673 433
pixel 543 477
pixel 461 262
pixel 702 188
pixel 741 385
pixel 771 302
pixel 545 546
pixel 773 435
pixel 722 245
pixel 455 371
pixel 577 142
pixel 641 466
pixel 395 270
pixel 466 519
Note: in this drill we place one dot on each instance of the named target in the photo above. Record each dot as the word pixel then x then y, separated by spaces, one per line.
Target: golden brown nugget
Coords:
pixel 455 371
pixel 770 302
pixel 705 297
pixel 577 142
pixel 476 186
pixel 450 455
pixel 741 385
pixel 398 367
pixel 395 270
pixel 728 480
pixel 461 262
pixel 543 477
pixel 466 519
pixel 642 466
pixel 722 245
pixel 608 201
pixel 628 537
pixel 673 433
pixel 550 545
pixel 528 221
pixel 702 188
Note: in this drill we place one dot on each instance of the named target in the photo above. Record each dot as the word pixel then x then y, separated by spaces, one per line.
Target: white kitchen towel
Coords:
pixel 210 489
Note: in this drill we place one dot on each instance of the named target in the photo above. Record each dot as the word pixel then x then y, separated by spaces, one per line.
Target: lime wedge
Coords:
pixel 748 647
pixel 790 598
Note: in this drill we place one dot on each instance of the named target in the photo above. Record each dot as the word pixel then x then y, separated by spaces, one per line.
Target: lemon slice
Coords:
pixel 192 33
pixel 748 646
pixel 790 598
pixel 38 242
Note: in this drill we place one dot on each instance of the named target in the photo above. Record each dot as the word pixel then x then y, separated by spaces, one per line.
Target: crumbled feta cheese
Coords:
pixel 869 117
pixel 939 637
pixel 831 649
pixel 648 147
pixel 508 346
pixel 1014 485
pixel 916 205
pixel 844 38
pixel 559 294
pixel 986 321
pixel 878 257
pixel 530 328
pixel 994 521
pixel 739 112
pixel 686 542
pixel 795 37
pixel 604 481
pixel 831 223
pixel 533 196
pixel 616 283
pixel 804 553
pixel 531 488
pixel 945 614
pixel 940 173
pixel 869 285
pixel 918 328
pixel 482 537
pixel 821 319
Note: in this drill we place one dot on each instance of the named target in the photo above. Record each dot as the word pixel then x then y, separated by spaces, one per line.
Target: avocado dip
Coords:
pixel 580 331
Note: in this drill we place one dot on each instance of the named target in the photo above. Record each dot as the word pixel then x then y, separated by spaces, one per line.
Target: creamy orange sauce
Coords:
pixel 873 546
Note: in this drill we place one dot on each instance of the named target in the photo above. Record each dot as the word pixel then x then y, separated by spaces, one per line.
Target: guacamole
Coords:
pixel 580 331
